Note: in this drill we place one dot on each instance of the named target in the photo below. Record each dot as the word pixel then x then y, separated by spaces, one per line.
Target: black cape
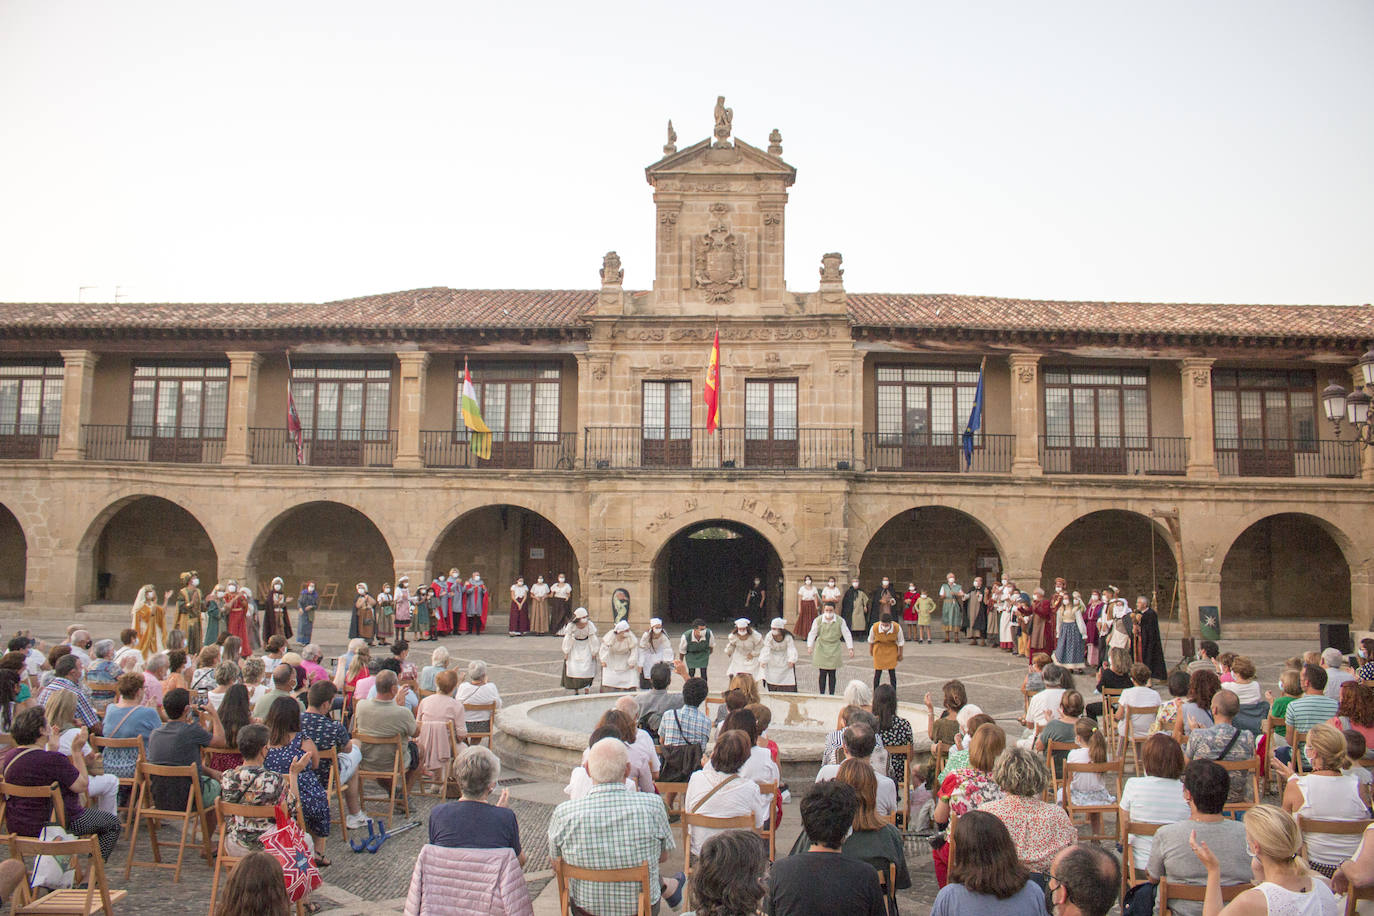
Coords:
pixel 1151 646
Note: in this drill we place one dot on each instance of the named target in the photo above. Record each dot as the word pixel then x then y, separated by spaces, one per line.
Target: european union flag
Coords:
pixel 975 421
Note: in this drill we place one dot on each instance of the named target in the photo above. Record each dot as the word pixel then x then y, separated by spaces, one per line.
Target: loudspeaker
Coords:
pixel 1337 636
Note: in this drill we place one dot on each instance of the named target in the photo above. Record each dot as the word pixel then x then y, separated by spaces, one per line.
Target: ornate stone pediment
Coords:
pixel 720 260
pixel 704 163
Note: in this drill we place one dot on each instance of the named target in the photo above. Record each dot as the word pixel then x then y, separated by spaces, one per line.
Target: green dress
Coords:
pixel 825 652
pixel 698 654
pixel 211 621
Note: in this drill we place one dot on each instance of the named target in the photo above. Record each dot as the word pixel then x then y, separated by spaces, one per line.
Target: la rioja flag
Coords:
pixel 293 419
pixel 712 390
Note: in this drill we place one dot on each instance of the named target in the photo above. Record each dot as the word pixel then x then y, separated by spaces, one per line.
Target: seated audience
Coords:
pixel 1243 683
pixel 227 674
pixel 657 699
pixel 1207 652
pixel 1310 709
pixel 859 741
pixel 1205 787
pixel 311 656
pixel 330 734
pixel 438 661
pixel 435 714
pixel 1038 828
pixel 386 717
pixel 1355 710
pixel 103 788
pixel 478 691
pixel 730 874
pixel 820 882
pixel 986 877
pixel 67 676
pixel 968 787
pixel 719 789
pixel 1325 793
pixel 1169 709
pixel 1084 881
pixel 1140 695
pixel 760 768
pixel 234 713
pixel 252 783
pixel 871 838
pixel 472 822
pixel 256 885
pixel 177 743
pixel 286 748
pixel 641 763
pixel 1061 728
pixel 643 741
pixel 207 664
pixel 1115 675
pixel 1156 797
pixel 283 685
pixel 1224 741
pixel 1283 882
pixel 580 781
pixel 687 724
pixel 127 717
pixel 892 729
pixel 1336 675
pixel 1197 709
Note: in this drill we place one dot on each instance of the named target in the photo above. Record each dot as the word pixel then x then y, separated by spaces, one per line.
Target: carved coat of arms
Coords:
pixel 720 263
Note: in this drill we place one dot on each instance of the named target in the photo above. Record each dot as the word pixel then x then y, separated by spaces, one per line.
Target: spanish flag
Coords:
pixel 479 442
pixel 712 390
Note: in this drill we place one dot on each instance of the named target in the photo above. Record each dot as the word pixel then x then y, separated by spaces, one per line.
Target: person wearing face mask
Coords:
pixel 150 620
pixel 952 607
pixel 560 600
pixel 619 658
pixel 519 608
pixel 695 648
pixel 976 612
pixel 1006 616
pixel 808 600
pixel 1092 613
pixel 539 607
pixel 884 599
pixel 778 659
pixel 214 606
pixel 401 604
pixel 235 613
pixel 306 604
pixel 823 643
pixel 476 604
pixel 830 594
pixel 190 605
pixel 654 647
pixel 448 591
pixel 364 616
pixel 854 606
pixel 742 648
pixel 580 651
pixel 276 619
pixel 754 601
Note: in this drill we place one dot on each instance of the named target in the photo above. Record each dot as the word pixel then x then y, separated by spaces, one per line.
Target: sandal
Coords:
pixel 313 907
pixel 322 862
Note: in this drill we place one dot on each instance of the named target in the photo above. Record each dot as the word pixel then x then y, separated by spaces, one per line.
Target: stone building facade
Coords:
pixel 142 440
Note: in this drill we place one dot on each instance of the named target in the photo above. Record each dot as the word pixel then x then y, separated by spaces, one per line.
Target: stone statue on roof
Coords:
pixel 725 118
pixel 671 146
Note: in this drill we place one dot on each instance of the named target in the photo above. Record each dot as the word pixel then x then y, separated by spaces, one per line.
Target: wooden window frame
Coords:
pixel 485 374
pixel 158 380
pixel 363 366
pixel 883 440
pixel 1120 387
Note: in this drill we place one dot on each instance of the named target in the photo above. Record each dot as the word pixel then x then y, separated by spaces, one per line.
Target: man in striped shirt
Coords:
pixel 1312 708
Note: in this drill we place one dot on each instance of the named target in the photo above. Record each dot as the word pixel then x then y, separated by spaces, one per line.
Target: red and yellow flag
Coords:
pixel 712 390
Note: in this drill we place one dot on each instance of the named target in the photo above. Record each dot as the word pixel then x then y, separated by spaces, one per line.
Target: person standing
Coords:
pixel 854 606
pixel 190 605
pixel 1071 650
pixel 539 607
pixel 778 658
pixel 885 644
pixel 742 648
pixel 580 647
pixel 884 598
pixel 1151 645
pixel 695 648
pixel 1092 612
pixel 402 607
pixel 952 607
pixel 476 604
pixel 306 604
pixel 619 659
pixel 150 620
pixel 830 594
pixel 1006 616
pixel 755 601
pixel 386 614
pixel 823 642
pixel 364 615
pixel 519 607
pixel 976 613
pixel 909 616
pixel 808 602
pixel 235 611
pixel 654 647
pixel 560 601
pixel 422 613
pixel 213 612
pixel 277 619
pixel 925 609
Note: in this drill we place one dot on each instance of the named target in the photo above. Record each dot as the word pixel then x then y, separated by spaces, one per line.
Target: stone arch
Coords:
pixel 868 517
pixel 14 555
pixel 705 569
pixel 142 538
pixel 1349 548
pixel 1287 565
pixel 951 539
pixel 781 536
pixel 1110 546
pixel 324 540
pixel 547 509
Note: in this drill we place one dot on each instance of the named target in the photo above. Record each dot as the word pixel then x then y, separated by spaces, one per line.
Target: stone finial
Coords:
pixel 775 143
pixel 671 146
pixel 725 118
pixel 831 272
pixel 611 273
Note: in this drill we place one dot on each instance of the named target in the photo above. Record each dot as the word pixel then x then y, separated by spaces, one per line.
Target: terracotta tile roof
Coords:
pixel 938 311
pixel 436 307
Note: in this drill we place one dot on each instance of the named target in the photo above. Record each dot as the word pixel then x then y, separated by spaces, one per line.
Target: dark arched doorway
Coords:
pixel 922 544
pixel 14 556
pixel 149 540
pixel 502 542
pixel 1285 565
pixel 325 542
pixel 706 570
pixel 1114 547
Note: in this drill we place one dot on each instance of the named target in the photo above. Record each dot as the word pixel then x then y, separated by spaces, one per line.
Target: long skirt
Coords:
pixel 806 615
pixel 574 683
pixel 386 627
pixel 1004 631
pixel 539 615
pixel 519 618
pixel 558 614
pixel 1072 649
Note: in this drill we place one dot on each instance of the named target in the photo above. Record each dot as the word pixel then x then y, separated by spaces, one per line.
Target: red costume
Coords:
pixel 236 607
pixel 909 600
pixel 1043 635
pixel 471 594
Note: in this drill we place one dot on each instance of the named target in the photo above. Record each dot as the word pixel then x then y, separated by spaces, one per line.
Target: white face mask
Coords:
pixel 886 583
pixel 362 591
pixel 831 583
pixel 231 589
pixel 560 580
pixel 855 583
pixel 195 581
pixel 476 578
pixel 827 614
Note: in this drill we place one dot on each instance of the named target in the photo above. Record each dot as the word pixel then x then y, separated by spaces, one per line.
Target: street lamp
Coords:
pixel 1353 407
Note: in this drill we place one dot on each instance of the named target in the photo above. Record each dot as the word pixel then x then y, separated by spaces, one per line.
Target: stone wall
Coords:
pixel 1284 566
pixel 924 544
pixel 326 542
pixel 152 541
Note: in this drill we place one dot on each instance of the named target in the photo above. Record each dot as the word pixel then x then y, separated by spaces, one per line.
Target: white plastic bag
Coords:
pixel 53 872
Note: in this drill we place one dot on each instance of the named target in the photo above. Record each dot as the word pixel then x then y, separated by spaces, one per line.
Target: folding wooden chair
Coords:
pixel 887 880
pixel 1056 776
pixel 6 739
pixel 396 775
pixel 1192 892
pixel 75 900
pixel 904 787
pixel 1116 767
pixel 225 863
pixel 1232 809
pixel 1129 829
pixel 1111 699
pixel 677 791
pixel 690 820
pixel 1354 895
pixel 939 753
pixel 329 595
pixel 52 792
pixel 563 873
pixel 332 786
pixel 1132 741
pixel 102 694
pixel 1271 723
pixel 194 814
pixel 102 745
pixel 1298 741
pixel 769 790
pixel 441 781
pixel 478 735
pixel 1309 825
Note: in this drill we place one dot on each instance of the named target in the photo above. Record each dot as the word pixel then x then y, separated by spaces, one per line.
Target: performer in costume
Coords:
pixel 386 614
pixel 306 606
pixel 1071 648
pixel 251 623
pixel 213 615
pixel 150 620
pixel 823 642
pixel 952 607
pixel 402 602
pixel 884 598
pixel 1042 635
pixel 560 601
pixel 422 615
pixel 654 647
pixel 1119 613
pixel 476 604
pixel 365 614
pixel 695 648
pixel 276 619
pixel 451 607
pixel 885 644
pixel 539 607
pixel 756 599
pixel 580 651
pixel 190 605
pixel 235 613
pixel 619 658
pixel 1006 616
pixel 925 610
pixel 743 649
pixel 909 617
pixel 519 608
pixel 1091 614
pixel 976 612
pixel 778 658
pixel 854 606
pixel 1148 638
pixel 831 595
pixel 808 602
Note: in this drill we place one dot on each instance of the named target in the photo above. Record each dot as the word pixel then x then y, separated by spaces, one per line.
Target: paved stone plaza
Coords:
pixel 527 669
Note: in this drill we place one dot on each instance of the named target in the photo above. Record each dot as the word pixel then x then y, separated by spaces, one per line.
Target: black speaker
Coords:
pixel 1336 636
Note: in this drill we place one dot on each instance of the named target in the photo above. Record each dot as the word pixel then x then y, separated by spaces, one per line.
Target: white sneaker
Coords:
pixel 356 821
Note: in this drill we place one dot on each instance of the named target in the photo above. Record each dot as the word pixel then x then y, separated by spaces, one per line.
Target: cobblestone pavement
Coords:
pixel 529 668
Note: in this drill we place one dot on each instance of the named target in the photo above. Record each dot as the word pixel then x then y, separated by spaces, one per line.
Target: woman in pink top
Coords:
pixel 434 714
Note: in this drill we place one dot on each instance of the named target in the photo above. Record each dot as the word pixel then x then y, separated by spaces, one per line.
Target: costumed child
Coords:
pixel 402 603
pixel 421 614
pixel 885 644
pixel 925 608
pixel 1088 788
pixel 909 599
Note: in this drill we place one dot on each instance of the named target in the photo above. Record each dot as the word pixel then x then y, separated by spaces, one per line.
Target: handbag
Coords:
pixel 286 843
pixel 680 761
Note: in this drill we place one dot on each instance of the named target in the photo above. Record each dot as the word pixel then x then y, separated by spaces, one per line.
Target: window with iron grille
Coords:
pixel 519 401
pixel 667 410
pixel 343 401
pixel 1097 407
pixel 1275 407
pixel 30 398
pixel 179 400
pixel 925 405
pixel 770 409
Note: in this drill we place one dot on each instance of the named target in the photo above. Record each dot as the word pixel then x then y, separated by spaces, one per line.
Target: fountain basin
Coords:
pixel 546 737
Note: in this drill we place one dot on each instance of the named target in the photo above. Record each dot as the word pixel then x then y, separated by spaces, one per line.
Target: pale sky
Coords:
pixel 294 151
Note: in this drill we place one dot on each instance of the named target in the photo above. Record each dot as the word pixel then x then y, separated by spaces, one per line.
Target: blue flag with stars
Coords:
pixel 975 421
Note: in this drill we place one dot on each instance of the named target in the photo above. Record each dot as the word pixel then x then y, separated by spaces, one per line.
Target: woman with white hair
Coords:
pixel 472 822
pixel 619 659
pixel 438 661
pixel 478 691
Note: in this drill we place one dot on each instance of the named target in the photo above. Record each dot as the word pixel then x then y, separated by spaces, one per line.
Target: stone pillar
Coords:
pixel 243 398
pixel 78 381
pixel 1366 454
pixel 412 406
pixel 1025 413
pixel 1361 603
pixel 1197 416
